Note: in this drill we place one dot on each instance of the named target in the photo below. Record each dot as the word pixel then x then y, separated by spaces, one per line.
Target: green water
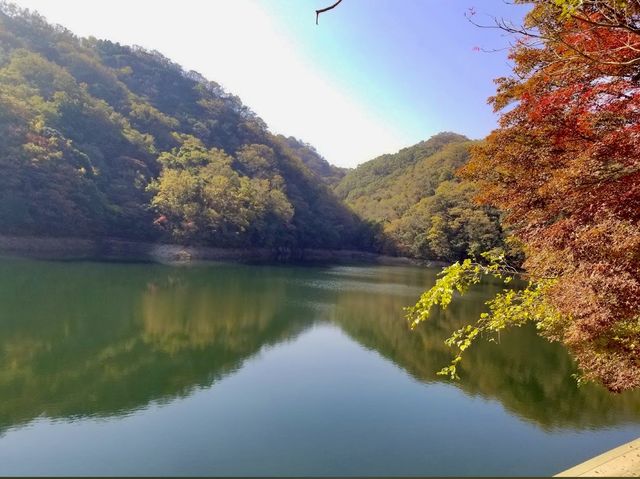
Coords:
pixel 241 370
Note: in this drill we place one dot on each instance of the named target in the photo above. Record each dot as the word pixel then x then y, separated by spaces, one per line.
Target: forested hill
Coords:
pixel 99 139
pixel 424 209
pixel 331 174
pixel 103 140
pixel 379 187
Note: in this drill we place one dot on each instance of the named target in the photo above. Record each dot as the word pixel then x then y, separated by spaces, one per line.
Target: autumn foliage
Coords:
pixel 565 167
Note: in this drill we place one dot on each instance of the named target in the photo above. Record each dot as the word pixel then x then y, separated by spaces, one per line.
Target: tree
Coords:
pixel 199 196
pixel 564 165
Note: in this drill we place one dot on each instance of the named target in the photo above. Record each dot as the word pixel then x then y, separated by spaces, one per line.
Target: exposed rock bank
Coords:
pixel 119 250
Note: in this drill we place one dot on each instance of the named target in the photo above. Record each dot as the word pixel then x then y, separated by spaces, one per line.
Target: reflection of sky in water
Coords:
pixel 381 279
pixel 381 288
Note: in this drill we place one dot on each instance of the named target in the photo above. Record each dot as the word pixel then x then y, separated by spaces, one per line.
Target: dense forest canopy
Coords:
pixel 99 139
pixel 424 209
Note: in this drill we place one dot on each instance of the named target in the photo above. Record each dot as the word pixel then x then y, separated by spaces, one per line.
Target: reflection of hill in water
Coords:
pixel 529 376
pixel 85 339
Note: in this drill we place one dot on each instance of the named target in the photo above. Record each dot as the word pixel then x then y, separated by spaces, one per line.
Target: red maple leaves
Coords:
pixel 565 167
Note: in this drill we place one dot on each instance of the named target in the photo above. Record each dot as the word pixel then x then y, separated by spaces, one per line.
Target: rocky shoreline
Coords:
pixel 119 250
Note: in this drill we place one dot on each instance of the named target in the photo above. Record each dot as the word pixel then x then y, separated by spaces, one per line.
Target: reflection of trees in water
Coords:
pixel 85 339
pixel 103 339
pixel 530 377
pixel 232 313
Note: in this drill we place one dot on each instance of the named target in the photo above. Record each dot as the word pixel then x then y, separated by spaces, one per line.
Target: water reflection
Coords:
pixel 87 339
pixel 530 377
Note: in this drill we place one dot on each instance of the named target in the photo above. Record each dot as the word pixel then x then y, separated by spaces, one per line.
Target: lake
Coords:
pixel 212 369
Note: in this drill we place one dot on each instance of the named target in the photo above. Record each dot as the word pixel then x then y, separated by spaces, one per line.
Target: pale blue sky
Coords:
pixel 372 77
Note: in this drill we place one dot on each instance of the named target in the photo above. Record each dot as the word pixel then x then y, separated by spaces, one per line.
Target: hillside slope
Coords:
pixel 99 139
pixel 423 209
pixel 329 173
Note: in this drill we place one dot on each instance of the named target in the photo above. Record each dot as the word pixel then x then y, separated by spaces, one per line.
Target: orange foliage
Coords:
pixel 565 167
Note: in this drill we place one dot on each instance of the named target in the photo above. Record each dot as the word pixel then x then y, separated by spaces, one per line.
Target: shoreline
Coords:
pixel 112 249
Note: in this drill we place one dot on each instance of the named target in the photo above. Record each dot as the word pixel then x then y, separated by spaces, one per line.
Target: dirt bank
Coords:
pixel 118 250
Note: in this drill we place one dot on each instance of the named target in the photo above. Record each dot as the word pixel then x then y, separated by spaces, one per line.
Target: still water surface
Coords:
pixel 240 370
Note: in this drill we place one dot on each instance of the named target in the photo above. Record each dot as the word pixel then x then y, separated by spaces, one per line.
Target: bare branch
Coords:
pixel 322 10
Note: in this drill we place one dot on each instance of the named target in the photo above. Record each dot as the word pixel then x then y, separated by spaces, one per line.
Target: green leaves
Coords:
pixel 200 197
pixel 458 277
pixel 461 340
pixel 512 307
pixel 423 208
pixel 568 7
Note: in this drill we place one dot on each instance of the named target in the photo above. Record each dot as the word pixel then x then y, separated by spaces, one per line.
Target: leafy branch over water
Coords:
pixel 512 307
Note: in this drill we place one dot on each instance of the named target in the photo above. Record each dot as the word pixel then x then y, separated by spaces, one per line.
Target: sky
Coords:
pixel 373 77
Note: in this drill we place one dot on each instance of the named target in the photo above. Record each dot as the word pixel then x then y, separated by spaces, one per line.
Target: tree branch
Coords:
pixel 322 10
